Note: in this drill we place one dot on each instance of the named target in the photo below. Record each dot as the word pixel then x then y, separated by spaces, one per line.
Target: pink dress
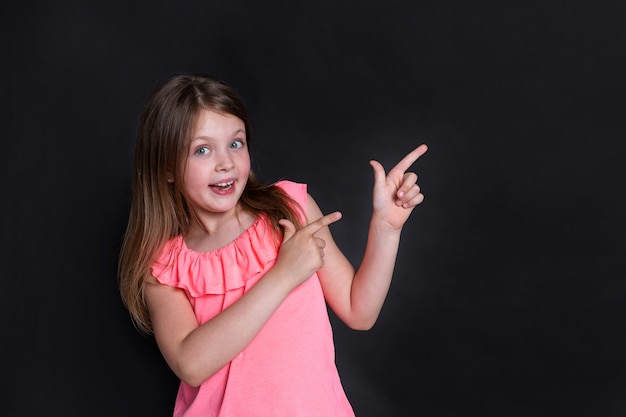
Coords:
pixel 288 370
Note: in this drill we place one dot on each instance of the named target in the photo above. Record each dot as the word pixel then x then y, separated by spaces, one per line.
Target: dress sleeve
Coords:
pixel 298 192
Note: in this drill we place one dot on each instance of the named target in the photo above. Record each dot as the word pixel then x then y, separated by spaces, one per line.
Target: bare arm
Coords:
pixel 196 352
pixel 357 296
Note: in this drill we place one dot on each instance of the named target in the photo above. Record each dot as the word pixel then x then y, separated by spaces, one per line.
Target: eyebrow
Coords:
pixel 235 133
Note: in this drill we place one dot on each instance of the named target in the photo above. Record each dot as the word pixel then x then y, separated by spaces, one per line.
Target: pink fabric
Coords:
pixel 288 370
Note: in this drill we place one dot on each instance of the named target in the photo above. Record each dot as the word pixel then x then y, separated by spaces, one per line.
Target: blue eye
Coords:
pixel 237 144
pixel 202 151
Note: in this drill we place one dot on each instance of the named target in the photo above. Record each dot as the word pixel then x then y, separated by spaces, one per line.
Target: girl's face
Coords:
pixel 218 164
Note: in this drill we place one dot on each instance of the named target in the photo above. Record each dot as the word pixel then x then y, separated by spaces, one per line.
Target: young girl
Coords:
pixel 231 275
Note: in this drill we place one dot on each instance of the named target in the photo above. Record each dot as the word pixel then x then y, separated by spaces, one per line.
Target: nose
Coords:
pixel 224 162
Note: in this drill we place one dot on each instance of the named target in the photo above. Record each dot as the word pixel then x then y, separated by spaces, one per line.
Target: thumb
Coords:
pixel 288 229
pixel 379 172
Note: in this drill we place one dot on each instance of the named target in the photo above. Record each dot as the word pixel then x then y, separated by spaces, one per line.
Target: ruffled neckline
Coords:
pixel 184 247
pixel 220 270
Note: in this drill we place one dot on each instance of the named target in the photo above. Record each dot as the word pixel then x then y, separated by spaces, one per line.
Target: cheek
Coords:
pixel 193 177
pixel 244 163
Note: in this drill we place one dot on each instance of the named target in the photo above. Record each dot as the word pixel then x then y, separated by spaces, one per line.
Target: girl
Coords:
pixel 231 275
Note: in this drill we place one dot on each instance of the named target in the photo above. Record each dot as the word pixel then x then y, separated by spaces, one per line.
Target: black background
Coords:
pixel 509 297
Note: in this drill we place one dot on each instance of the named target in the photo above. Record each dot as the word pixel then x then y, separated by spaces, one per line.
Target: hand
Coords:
pixel 302 253
pixel 396 194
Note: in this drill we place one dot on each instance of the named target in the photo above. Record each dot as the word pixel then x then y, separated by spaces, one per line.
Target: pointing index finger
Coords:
pixel 322 222
pixel 410 158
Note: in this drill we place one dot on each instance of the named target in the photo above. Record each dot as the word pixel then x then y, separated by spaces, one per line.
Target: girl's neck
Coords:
pixel 219 232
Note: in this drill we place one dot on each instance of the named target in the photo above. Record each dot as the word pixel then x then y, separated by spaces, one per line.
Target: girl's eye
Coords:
pixel 237 144
pixel 202 151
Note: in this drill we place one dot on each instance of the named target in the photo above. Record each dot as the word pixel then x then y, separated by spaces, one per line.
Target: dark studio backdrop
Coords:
pixel 509 297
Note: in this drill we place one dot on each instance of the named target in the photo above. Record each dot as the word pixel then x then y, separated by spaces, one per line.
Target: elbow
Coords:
pixel 193 367
pixel 192 381
pixel 362 328
pixel 190 374
pixel 190 377
pixel 362 325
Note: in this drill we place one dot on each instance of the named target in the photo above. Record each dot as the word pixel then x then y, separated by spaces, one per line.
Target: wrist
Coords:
pixel 382 227
pixel 281 278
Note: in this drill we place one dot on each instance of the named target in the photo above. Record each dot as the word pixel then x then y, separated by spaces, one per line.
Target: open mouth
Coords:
pixel 223 186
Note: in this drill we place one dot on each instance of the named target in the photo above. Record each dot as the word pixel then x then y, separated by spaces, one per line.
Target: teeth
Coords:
pixel 224 184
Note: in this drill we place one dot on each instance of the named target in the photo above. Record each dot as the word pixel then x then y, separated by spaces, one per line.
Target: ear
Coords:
pixel 170 176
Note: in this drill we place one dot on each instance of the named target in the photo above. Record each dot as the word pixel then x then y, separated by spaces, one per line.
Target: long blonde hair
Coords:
pixel 158 210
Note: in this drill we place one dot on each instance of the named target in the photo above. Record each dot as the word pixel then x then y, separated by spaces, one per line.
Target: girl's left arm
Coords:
pixel 358 296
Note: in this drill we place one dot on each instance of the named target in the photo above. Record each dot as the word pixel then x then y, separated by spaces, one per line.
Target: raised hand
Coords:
pixel 396 194
pixel 302 253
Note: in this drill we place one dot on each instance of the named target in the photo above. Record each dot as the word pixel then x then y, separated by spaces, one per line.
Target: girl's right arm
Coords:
pixel 196 352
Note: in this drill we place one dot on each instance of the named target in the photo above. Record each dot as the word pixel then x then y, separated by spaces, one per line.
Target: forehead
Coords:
pixel 213 124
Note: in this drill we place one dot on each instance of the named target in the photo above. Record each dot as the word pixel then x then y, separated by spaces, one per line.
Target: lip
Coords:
pixel 223 187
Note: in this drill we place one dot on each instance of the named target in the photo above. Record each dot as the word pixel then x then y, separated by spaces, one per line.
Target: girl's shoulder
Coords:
pixel 295 190
pixel 298 193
